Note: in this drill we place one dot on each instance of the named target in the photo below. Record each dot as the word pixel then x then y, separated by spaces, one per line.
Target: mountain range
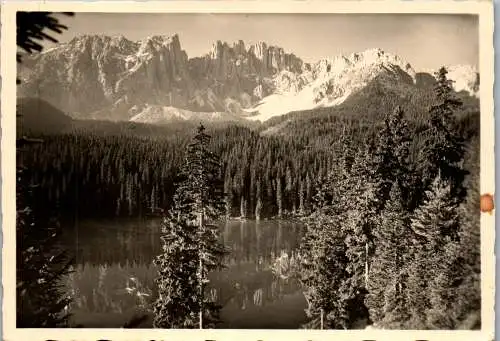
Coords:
pixel 153 80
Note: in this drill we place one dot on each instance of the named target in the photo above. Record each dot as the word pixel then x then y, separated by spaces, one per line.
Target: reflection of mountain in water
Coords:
pixel 110 254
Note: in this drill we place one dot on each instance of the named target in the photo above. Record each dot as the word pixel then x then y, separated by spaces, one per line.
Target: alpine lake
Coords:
pixel 113 277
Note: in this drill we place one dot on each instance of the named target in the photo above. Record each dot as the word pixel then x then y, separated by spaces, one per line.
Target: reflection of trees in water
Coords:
pixel 111 289
pixel 257 297
pixel 109 255
pixel 286 266
pixel 244 289
pixel 249 280
pixel 279 236
pixel 259 242
pixel 129 242
pixel 242 241
pixel 115 243
pixel 272 293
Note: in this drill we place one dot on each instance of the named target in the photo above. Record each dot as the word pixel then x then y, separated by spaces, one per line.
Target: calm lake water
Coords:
pixel 113 278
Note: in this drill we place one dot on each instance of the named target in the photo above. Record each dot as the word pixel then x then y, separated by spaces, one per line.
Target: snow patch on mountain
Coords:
pixel 156 114
pixel 330 82
pixel 281 104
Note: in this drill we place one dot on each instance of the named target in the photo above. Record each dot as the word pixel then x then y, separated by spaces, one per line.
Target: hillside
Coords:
pixel 367 106
pixel 38 116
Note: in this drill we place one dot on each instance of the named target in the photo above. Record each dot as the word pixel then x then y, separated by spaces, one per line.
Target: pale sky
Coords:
pixel 425 41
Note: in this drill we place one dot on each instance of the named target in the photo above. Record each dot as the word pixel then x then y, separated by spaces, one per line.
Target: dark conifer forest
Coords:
pixel 116 172
pixel 386 238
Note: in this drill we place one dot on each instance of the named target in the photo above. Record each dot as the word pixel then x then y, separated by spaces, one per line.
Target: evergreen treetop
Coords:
pixel 191 243
pixel 445 148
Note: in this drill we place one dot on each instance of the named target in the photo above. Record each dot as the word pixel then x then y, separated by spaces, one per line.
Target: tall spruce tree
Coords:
pixel 467 306
pixel 373 173
pixel 279 197
pixel 390 181
pixel 258 195
pixel 177 305
pixel 324 262
pixel 444 149
pixel 301 198
pixel 323 272
pixel 352 199
pixel 360 219
pixel 386 300
pixel 228 191
pixel 390 160
pixel 455 292
pixel 430 288
pixel 191 243
pixel 403 171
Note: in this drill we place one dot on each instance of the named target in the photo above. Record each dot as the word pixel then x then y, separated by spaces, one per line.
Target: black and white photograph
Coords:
pixel 257 171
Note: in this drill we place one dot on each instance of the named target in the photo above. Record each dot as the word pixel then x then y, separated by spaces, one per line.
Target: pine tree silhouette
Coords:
pixel 191 247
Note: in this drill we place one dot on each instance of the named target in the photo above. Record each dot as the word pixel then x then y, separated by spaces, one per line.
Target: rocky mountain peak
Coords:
pixel 368 61
pixel 97 41
pixel 219 48
pixel 111 77
pixel 239 47
pixel 154 44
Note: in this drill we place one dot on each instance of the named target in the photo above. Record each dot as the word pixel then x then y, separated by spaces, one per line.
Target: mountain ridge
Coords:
pixel 111 77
